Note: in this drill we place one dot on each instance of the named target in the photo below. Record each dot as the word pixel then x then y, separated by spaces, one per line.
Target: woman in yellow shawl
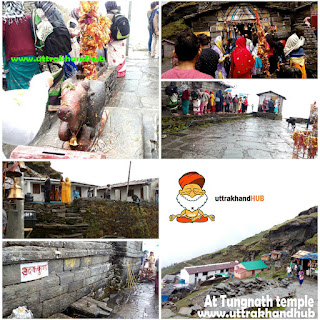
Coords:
pixel 218 47
pixel 66 191
pixel 212 97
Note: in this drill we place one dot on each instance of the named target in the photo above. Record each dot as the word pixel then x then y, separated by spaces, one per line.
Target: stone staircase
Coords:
pixel 57 220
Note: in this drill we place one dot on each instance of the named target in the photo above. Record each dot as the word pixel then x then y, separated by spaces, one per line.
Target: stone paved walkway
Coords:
pixel 135 107
pixel 253 138
pixel 143 304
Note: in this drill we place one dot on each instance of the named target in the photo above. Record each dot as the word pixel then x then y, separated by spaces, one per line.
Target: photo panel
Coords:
pixel 232 119
pixel 80 199
pixel 87 279
pixel 248 40
pixel 83 81
pixel 241 240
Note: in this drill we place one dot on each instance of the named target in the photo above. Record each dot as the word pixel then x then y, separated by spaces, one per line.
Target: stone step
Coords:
pixel 61 226
pixel 73 220
pixel 67 236
pixel 72 214
pixel 122 136
pixel 91 308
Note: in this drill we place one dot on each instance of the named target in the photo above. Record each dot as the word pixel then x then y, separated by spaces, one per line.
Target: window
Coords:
pixel 196 275
pixel 36 188
pixel 130 193
pixel 205 273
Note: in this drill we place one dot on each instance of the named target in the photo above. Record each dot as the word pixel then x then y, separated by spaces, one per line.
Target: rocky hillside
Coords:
pixel 291 236
pixel 41 169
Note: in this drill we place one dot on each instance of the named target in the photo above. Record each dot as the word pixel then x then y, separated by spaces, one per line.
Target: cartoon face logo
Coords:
pixel 192 197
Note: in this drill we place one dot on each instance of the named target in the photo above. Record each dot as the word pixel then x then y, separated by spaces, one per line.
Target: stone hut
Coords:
pixel 167 48
pixel 274 97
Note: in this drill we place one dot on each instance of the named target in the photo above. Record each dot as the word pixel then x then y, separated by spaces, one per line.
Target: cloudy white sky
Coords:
pixel 139 34
pixel 299 94
pixel 103 172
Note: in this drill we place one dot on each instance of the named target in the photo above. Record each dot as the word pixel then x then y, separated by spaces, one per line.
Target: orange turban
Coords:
pixel 191 177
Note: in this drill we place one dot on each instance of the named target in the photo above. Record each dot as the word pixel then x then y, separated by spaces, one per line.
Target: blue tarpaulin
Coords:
pixel 310 256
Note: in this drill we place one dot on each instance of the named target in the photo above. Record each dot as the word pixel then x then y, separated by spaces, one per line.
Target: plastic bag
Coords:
pixel 21 313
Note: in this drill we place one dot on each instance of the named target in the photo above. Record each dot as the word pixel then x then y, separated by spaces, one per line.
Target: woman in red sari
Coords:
pixel 241 60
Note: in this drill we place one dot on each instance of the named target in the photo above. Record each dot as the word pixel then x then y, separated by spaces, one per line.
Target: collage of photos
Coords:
pixel 103 102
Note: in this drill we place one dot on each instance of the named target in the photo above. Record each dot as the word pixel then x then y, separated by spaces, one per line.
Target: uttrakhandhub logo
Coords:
pixel 192 197
pixel 234 198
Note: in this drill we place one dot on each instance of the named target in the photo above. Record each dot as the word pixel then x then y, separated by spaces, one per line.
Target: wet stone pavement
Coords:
pixel 141 304
pixel 253 138
pixel 132 128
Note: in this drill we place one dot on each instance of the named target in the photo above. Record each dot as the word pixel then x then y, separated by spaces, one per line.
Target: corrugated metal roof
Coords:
pixel 254 265
pixel 210 267
pixel 57 181
pixel 131 183
pixel 300 254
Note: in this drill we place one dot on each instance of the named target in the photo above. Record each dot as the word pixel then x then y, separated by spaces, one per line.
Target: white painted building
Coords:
pixel 146 190
pixel 35 186
pixel 192 275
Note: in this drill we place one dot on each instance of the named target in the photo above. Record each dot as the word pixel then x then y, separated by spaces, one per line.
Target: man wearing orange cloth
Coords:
pixel 191 197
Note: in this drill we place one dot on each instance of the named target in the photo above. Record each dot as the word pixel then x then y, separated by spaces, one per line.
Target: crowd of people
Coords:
pixel 203 101
pixel 200 57
pixel 45 34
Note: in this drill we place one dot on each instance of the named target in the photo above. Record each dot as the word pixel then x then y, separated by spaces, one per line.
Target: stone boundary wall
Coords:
pixel 79 269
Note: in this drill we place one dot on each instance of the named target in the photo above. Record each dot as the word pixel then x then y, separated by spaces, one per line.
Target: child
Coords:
pixel 187 50
pixel 172 92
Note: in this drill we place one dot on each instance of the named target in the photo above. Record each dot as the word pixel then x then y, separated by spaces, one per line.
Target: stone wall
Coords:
pixel 212 16
pixel 80 269
pixel 94 218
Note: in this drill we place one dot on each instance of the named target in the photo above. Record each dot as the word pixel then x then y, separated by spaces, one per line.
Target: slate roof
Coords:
pixel 260 94
pixel 210 267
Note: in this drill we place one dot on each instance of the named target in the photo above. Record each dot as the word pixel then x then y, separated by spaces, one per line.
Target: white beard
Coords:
pixel 192 204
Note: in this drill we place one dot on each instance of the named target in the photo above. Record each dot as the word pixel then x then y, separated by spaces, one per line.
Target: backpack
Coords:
pixel 58 42
pixel 194 95
pixel 170 90
pixel 217 99
pixel 120 28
